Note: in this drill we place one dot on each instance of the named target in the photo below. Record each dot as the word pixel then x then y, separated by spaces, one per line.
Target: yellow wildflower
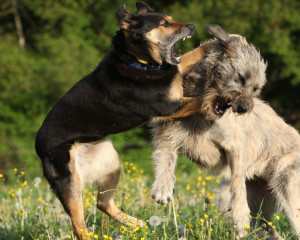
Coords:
pixel 201 220
pixel 277 217
pixel 20 212
pixel 96 236
pixel 247 227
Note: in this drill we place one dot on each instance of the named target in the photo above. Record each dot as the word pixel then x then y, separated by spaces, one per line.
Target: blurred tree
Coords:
pixel 65 40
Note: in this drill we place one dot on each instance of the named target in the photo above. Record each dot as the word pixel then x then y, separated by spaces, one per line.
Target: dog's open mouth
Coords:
pixel 220 105
pixel 174 57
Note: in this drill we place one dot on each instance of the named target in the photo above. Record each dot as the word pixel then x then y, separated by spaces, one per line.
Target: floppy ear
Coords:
pixel 142 8
pixel 218 32
pixel 125 17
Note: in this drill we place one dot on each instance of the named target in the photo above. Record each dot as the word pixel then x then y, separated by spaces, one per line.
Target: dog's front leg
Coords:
pixel 239 206
pixel 164 161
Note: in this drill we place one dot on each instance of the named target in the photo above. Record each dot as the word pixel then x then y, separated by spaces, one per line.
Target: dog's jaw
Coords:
pixel 220 105
pixel 172 57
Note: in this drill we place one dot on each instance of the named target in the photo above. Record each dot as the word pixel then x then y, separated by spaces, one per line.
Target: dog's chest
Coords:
pixel 202 148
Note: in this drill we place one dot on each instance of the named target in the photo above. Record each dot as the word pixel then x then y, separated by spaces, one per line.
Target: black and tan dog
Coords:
pixel 137 81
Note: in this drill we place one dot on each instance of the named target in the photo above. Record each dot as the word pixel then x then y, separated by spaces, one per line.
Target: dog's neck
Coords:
pixel 141 64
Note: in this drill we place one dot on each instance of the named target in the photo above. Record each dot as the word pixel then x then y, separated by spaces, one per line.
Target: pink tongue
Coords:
pixel 173 52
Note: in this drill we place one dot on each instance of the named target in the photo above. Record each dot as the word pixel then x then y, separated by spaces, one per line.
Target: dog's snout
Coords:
pixel 242 108
pixel 191 26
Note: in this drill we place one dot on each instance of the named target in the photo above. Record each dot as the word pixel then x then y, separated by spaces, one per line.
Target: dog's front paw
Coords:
pixel 242 226
pixel 162 194
pixel 240 217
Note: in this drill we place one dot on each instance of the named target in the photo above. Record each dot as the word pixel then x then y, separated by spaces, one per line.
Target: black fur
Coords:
pixel 114 98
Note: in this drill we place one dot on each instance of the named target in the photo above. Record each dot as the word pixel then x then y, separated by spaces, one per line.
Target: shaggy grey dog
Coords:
pixel 234 134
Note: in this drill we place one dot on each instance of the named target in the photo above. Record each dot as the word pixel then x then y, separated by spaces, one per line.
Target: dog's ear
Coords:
pixel 218 32
pixel 125 17
pixel 142 8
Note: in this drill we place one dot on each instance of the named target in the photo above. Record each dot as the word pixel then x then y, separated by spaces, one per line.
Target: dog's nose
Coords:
pixel 242 108
pixel 191 26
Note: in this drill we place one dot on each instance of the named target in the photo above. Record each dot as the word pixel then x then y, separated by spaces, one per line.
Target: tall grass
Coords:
pixel 29 210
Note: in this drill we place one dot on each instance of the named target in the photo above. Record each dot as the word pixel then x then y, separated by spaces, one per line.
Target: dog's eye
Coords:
pixel 255 89
pixel 165 24
pixel 242 79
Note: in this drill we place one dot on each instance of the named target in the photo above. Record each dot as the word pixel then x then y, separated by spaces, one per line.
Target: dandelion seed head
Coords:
pixel 192 202
pixel 154 221
pixel 37 181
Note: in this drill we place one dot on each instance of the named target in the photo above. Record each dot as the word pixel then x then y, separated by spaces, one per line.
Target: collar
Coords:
pixel 142 65
pixel 145 67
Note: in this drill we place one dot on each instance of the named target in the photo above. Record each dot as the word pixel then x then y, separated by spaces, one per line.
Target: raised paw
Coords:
pixel 162 194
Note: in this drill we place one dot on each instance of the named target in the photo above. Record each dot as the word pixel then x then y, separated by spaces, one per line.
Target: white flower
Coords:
pixel 18 206
pixel 192 202
pixel 19 193
pixel 164 219
pixel 154 221
pixel 64 217
pixel 63 234
pixel 37 181
pixel 119 237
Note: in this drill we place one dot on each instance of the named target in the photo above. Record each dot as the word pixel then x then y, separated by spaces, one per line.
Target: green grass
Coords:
pixel 31 211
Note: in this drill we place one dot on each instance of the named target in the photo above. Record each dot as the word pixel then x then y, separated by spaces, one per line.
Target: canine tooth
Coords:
pixel 178 59
pixel 189 36
pixel 184 39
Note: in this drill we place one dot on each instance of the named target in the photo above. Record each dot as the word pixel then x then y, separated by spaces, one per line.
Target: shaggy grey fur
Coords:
pixel 235 135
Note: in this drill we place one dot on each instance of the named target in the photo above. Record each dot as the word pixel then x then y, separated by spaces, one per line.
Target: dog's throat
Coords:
pixel 142 64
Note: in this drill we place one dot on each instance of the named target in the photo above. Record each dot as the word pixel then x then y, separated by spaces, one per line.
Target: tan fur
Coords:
pixel 95 163
pixel 188 60
pixel 247 148
pixel 238 147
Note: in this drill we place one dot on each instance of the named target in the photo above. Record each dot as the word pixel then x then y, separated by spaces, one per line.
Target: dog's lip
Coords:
pixel 174 58
pixel 221 104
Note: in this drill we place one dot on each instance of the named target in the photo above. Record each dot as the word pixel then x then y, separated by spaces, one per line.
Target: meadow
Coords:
pixel 29 210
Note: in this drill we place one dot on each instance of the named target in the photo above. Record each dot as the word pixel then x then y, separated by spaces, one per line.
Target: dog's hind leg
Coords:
pixel 259 198
pixel 285 184
pixel 65 180
pixel 99 164
pixel 261 202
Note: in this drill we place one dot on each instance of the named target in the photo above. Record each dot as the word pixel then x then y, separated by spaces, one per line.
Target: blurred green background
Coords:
pixel 46 46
